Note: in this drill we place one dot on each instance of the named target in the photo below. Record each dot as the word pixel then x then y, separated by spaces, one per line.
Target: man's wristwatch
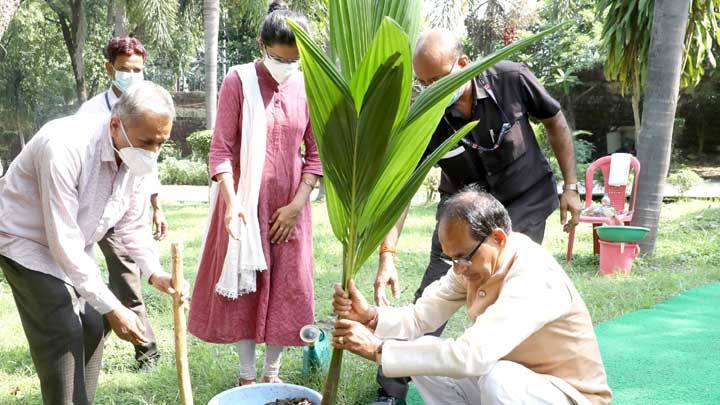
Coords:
pixel 378 353
pixel 572 186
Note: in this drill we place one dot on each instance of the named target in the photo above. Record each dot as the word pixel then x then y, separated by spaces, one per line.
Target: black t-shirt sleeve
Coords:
pixel 538 102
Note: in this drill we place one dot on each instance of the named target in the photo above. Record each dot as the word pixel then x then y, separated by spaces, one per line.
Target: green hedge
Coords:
pixel 190 170
pixel 186 171
pixel 684 180
pixel 200 144
pixel 583 151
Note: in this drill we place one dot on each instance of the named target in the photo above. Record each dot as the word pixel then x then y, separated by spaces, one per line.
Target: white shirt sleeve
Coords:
pixel 153 182
pixel 528 301
pixel 134 232
pixel 58 170
pixel 439 302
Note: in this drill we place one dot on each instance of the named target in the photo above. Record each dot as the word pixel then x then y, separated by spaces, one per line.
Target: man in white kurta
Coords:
pixel 531 340
pixel 77 178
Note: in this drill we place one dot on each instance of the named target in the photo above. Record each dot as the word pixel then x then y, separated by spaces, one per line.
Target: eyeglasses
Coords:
pixel 496 141
pixel 279 59
pixel 464 261
pixel 421 85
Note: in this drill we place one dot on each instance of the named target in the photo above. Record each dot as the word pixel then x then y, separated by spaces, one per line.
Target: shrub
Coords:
pixel 169 150
pixel 684 180
pixel 430 184
pixel 583 151
pixel 200 144
pixel 183 172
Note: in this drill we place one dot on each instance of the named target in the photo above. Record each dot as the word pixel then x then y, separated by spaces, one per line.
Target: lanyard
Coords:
pixel 503 130
pixel 107 101
pixel 491 93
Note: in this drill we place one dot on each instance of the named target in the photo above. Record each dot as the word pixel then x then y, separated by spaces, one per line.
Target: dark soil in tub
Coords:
pixel 291 401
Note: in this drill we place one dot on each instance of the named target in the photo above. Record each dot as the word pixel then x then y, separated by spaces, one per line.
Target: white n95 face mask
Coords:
pixel 125 80
pixel 280 71
pixel 458 93
pixel 139 161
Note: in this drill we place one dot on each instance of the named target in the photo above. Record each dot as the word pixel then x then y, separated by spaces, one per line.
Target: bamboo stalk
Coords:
pixel 181 358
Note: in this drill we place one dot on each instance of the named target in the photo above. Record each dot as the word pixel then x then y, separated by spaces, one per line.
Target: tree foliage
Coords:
pixel 492 24
pixel 576 47
pixel 36 79
pixel 36 75
pixel 626 39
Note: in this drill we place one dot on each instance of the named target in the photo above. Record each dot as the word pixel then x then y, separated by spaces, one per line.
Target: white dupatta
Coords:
pixel 245 257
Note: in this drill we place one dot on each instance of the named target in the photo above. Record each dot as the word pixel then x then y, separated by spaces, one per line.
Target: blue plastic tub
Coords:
pixel 261 394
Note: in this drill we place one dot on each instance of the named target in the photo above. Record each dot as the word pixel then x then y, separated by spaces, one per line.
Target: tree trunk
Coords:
pixel 569 111
pixel 74 30
pixel 701 138
pixel 223 48
pixel 636 106
pixel 121 25
pixel 211 24
pixel 661 94
pixel 7 12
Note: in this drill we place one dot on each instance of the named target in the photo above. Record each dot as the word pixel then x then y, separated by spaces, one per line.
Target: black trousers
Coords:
pixel 125 282
pixel 65 334
pixel 528 216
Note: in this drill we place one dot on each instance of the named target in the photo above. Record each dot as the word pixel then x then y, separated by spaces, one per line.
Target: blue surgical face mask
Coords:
pixel 455 97
pixel 124 80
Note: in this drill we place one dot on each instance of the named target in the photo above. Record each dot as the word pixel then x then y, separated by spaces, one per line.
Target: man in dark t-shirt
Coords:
pixel 500 154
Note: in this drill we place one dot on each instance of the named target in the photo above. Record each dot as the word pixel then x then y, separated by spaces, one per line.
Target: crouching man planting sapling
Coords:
pixel 531 340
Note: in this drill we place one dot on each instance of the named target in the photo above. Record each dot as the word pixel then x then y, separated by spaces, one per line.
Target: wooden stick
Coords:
pixel 181 358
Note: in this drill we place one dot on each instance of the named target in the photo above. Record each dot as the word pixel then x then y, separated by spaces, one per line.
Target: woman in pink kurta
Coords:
pixel 283 300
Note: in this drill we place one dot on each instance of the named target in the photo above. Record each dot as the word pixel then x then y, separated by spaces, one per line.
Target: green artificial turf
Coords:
pixel 668 354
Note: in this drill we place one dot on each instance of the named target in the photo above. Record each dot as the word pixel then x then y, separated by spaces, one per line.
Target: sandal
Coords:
pixel 274 380
pixel 241 382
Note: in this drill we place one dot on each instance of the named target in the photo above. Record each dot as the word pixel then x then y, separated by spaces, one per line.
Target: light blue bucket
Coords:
pixel 261 394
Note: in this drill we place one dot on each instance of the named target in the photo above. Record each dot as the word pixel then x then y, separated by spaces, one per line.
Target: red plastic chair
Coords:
pixel 617 200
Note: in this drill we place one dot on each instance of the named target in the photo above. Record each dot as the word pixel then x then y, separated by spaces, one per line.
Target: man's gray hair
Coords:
pixel 440 38
pixel 480 210
pixel 143 97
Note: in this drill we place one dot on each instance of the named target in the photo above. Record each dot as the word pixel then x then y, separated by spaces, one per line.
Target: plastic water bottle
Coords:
pixel 606 200
pixel 316 355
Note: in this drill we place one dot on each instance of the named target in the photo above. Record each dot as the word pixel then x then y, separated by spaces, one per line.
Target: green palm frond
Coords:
pixel 156 17
pixel 370 137
pixel 626 39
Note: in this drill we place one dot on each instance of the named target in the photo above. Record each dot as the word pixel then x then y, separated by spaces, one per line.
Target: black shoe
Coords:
pixel 147 364
pixel 386 400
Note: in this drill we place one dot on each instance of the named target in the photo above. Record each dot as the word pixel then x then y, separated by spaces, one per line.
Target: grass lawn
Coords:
pixel 687 255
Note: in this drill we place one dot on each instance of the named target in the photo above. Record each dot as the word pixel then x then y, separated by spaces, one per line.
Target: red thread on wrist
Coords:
pixel 388 249
pixel 372 320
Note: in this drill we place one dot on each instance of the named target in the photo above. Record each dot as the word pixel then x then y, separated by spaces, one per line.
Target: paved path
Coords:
pixel 200 194
pixel 708 189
